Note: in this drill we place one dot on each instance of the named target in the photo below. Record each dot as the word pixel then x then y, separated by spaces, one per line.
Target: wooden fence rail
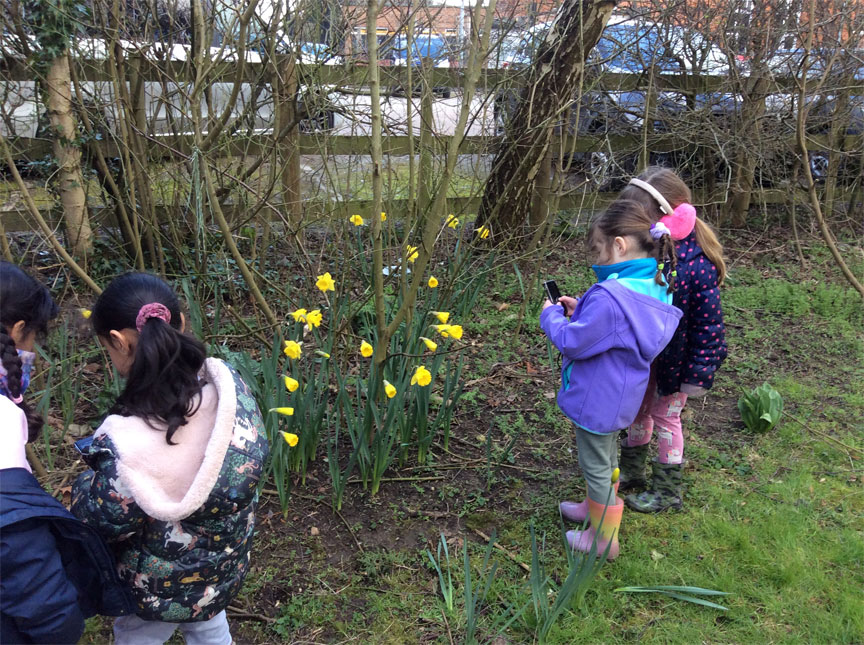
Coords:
pixel 353 73
pixel 167 146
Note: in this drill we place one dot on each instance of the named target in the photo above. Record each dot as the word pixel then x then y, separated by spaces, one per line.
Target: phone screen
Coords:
pixel 552 290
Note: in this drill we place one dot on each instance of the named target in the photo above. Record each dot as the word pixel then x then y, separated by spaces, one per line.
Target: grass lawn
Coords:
pixel 775 520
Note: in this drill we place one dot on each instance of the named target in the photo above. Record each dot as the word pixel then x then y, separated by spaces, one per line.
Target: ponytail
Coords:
pixel 707 239
pixel 162 386
pixel 667 263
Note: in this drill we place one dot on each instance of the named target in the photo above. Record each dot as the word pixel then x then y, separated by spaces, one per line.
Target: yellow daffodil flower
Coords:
pixel 314 317
pixel 422 377
pixel 291 384
pixel 286 411
pixel 431 345
pixel 356 220
pixel 383 216
pixel 366 350
pixel 483 232
pixel 444 330
pixel 615 474
pixel 293 349
pixel 326 282
pixel 86 313
pixel 411 253
pixel 389 389
pixel 442 316
pixel 433 282
pixel 320 353
pixel 455 331
pixel 290 439
pixel 452 221
pixel 299 315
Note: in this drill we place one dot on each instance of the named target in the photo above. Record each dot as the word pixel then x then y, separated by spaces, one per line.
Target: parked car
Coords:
pixel 425 45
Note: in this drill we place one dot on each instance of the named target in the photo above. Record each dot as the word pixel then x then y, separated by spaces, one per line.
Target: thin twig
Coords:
pixel 401 479
pixel 447 625
pixel 824 435
pixel 350 530
pixel 237 612
pixel 524 566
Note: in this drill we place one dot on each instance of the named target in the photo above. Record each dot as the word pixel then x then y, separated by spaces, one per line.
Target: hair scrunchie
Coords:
pixel 152 310
pixel 659 229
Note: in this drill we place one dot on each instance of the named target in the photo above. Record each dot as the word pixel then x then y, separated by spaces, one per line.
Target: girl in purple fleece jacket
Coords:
pixel 608 339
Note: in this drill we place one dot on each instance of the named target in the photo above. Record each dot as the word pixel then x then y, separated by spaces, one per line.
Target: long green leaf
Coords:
pixel 680 596
pixel 696 590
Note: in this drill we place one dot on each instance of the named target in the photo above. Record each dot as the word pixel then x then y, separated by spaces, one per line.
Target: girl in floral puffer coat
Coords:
pixel 175 468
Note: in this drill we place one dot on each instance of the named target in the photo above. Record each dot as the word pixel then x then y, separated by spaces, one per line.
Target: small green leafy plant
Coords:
pixel 447 591
pixel 761 408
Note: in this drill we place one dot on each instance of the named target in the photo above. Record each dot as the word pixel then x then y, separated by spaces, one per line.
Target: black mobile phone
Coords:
pixel 83 445
pixel 552 290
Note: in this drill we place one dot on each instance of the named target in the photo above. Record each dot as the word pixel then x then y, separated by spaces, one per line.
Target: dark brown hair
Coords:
pixel 22 298
pixel 163 384
pixel 676 192
pixel 628 218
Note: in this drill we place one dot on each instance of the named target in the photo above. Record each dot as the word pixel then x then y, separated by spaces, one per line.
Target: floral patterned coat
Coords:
pixel 182 549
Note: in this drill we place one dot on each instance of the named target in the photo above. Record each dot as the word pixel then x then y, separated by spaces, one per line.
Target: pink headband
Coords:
pixel 680 220
pixel 152 310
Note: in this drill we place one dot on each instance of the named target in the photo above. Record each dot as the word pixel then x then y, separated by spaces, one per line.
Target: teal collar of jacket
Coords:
pixel 640 268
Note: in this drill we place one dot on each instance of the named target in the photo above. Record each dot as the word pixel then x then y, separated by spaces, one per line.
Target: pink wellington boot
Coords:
pixel 578 511
pixel 608 532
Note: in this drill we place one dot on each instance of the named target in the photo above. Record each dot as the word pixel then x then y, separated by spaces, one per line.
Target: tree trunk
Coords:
pixel 70 182
pixel 552 85
pixel 752 111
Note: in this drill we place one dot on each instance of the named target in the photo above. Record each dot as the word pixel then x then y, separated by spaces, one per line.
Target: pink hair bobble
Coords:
pixel 681 222
pixel 152 310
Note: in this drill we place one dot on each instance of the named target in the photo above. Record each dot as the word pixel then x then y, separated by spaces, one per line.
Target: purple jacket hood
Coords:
pixel 608 346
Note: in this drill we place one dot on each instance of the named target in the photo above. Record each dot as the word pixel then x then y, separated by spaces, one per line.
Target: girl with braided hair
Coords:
pixel 685 369
pixel 608 339
pixel 56 571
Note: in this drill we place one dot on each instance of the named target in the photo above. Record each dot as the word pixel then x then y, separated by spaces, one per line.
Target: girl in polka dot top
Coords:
pixel 686 367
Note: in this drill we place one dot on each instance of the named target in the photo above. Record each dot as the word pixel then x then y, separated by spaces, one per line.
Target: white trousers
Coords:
pixel 131 630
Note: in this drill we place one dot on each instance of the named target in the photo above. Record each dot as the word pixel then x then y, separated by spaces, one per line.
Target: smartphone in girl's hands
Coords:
pixel 552 291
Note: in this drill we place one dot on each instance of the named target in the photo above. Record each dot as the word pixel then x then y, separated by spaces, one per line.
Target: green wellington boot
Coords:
pixel 665 491
pixel 632 465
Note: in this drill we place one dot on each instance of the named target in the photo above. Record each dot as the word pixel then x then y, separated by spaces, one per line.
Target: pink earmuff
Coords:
pixel 681 222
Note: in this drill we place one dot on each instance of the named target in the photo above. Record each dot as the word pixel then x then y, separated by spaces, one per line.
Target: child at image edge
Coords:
pixel 608 339
pixel 54 570
pixel 685 369
pixel 175 469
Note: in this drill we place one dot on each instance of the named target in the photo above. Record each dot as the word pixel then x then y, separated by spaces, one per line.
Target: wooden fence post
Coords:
pixel 285 95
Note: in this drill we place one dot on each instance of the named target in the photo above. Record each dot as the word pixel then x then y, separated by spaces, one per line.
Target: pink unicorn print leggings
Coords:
pixel 662 413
